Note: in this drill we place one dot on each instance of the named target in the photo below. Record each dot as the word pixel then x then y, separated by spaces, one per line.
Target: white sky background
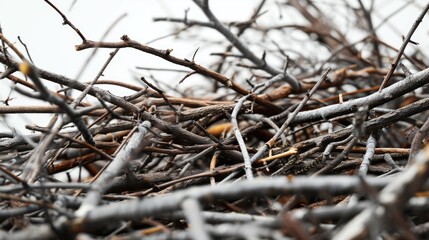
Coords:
pixel 51 44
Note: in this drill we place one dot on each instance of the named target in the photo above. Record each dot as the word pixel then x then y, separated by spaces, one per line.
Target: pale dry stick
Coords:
pixel 372 125
pixel 234 40
pixel 120 148
pixel 213 163
pixel 247 164
pixel 258 187
pixel 380 150
pixel 155 206
pixel 116 165
pixel 248 231
pixel 417 142
pixel 288 153
pixel 389 160
pixel 233 217
pixel 83 94
pixel 393 116
pixel 398 89
pixel 391 200
pixel 192 211
pixel 260 124
pixel 14 189
pixel 289 120
pixel 367 158
pixel 269 121
pixel 257 89
pixel 329 212
pixel 162 69
pixel 276 128
pixel 20 211
pixel 364 166
pixel 419 65
pixel 333 145
pixel 34 165
pixel 228 178
pixel 403 46
pixel 338 159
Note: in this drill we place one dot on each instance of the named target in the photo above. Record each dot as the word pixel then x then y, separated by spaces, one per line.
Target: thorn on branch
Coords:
pixel 360 117
pixel 66 21
pixel 26 49
pixel 264 54
pixel 160 92
pixel 286 65
pixel 168 51
pixel 411 41
pixel 195 53
pixel 186 76
pixel 125 38
pixel 185 19
pixel 404 69
pixel 249 81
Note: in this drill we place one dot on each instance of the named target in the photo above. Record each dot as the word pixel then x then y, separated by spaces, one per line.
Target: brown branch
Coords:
pixel 403 46
pixel 66 21
pixel 166 54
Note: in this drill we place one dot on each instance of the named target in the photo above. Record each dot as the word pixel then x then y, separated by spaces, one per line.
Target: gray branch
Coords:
pixel 99 187
pixel 376 99
pixel 244 49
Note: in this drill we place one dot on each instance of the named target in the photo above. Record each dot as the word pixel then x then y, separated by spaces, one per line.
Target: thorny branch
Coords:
pixel 309 151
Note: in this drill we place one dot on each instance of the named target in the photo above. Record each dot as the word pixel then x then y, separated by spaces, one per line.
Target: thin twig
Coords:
pixel 271 142
pixel 403 46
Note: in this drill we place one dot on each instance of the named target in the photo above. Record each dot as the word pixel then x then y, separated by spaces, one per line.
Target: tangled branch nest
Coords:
pixel 280 146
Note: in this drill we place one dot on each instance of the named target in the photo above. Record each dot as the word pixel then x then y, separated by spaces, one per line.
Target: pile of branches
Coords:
pixel 281 145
